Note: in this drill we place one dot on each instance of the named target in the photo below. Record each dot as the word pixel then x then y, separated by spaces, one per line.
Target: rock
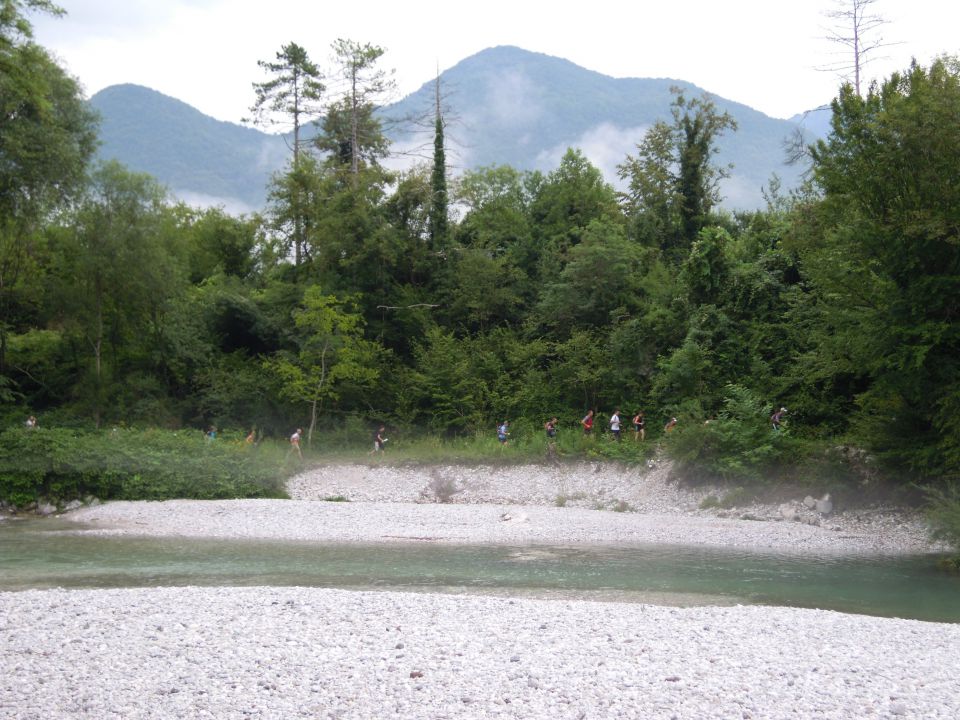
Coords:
pixel 809 502
pixel 514 517
pixel 73 505
pixel 46 509
pixel 898 708
pixel 788 512
pixel 825 505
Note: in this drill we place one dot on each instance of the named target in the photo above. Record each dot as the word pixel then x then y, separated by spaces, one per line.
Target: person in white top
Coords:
pixel 615 424
pixel 295 443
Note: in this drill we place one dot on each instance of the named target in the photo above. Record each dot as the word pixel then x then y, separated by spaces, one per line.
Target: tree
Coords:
pixel 291 96
pixel 47 137
pixel 331 354
pixel 599 283
pixel 438 182
pixel 113 267
pixel 364 85
pixel 853 24
pixel 673 178
pixel 885 263
pixel 564 205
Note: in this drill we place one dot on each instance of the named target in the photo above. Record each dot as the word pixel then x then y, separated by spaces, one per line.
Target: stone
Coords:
pixel 73 505
pixel 788 512
pixel 825 505
pixel 46 509
pixel 810 502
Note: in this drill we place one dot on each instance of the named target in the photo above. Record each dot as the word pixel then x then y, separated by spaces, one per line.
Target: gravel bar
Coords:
pixel 304 652
pixel 526 504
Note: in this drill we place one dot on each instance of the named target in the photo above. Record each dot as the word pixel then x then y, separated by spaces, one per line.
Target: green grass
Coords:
pixel 523 447
pixel 62 464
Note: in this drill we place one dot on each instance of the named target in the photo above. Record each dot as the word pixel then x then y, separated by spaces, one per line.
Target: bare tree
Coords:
pixel 853 25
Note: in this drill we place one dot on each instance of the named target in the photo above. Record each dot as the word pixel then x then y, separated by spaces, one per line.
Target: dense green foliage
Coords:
pixel 64 465
pixel 944 515
pixel 550 294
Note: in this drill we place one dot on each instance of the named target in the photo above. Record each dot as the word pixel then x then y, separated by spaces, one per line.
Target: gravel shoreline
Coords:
pixel 301 652
pixel 285 652
pixel 565 504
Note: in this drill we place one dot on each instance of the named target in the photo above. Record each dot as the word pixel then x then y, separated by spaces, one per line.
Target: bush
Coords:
pixel 440 489
pixel 122 464
pixel 739 444
pixel 944 513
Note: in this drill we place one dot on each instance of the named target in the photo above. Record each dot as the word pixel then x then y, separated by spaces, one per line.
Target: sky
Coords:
pixel 763 53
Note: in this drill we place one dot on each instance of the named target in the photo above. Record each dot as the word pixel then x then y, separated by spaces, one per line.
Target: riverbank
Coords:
pixel 302 652
pixel 550 504
pixel 268 652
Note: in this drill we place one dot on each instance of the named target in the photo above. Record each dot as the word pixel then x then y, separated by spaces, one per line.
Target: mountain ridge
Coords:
pixel 507 106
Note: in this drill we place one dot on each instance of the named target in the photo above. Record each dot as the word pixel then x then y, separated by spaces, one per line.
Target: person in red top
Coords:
pixel 587 423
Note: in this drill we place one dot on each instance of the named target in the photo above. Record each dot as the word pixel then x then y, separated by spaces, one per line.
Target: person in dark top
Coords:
pixel 378 440
pixel 551 428
pixel 639 426
pixel 777 418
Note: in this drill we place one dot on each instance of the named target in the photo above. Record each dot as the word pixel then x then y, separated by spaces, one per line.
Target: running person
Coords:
pixel 639 426
pixel 587 422
pixel 551 428
pixel 615 424
pixel 295 443
pixel 378 440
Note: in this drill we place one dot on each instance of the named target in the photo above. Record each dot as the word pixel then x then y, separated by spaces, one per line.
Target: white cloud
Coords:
pixel 605 146
pixel 232 206
pixel 763 53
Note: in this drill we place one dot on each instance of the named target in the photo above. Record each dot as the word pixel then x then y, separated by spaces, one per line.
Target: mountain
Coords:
pixel 525 109
pixel 816 122
pixel 201 160
pixel 504 105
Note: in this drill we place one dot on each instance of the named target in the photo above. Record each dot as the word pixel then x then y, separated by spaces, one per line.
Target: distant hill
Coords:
pixel 201 160
pixel 816 122
pixel 525 109
pixel 505 105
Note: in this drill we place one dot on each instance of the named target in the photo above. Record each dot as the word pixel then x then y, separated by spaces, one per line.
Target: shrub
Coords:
pixel 739 444
pixel 440 488
pixel 709 502
pixel 944 513
pixel 63 464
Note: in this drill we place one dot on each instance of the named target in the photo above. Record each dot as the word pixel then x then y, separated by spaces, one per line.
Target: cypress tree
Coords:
pixel 438 182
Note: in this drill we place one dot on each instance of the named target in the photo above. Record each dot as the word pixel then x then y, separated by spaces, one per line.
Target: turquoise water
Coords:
pixel 47 553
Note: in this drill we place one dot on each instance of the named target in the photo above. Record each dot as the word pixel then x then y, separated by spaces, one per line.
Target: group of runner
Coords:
pixel 587 423
pixel 550 428
pixel 639 423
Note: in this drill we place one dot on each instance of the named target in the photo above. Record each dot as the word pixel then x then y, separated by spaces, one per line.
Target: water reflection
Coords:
pixel 42 554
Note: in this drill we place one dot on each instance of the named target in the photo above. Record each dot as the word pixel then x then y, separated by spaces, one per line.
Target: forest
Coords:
pixel 443 305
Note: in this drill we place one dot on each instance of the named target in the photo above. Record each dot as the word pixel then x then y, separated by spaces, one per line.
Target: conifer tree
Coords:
pixel 438 181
